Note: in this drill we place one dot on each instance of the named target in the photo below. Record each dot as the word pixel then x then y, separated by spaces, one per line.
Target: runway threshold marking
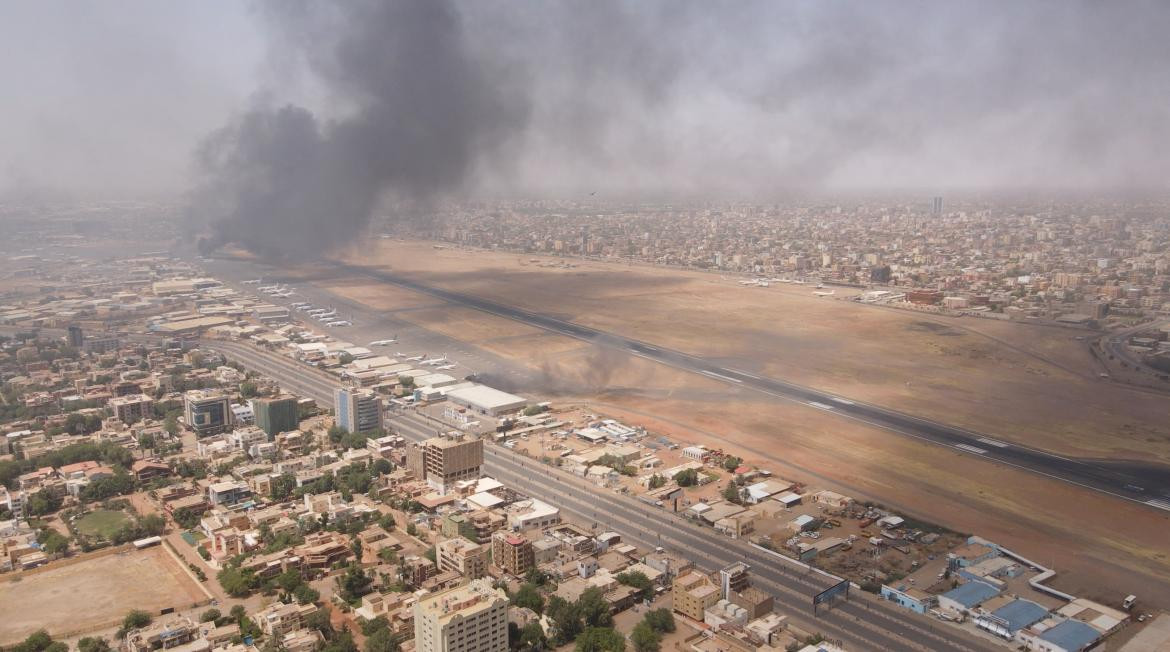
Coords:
pixel 820 406
pixel 843 401
pixel 1159 503
pixel 971 449
pixel 993 442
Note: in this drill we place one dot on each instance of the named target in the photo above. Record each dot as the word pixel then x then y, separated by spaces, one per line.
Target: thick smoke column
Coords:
pixel 419 111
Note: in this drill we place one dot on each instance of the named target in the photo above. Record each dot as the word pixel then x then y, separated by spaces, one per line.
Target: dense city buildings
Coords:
pixel 1012 259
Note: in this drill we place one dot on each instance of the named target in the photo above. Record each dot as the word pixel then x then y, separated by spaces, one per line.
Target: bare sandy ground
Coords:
pixel 79 597
pixel 1020 383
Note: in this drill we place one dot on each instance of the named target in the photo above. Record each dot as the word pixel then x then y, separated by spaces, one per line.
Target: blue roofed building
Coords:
pixel 1009 619
pixel 1066 636
pixel 967 596
pixel 909 597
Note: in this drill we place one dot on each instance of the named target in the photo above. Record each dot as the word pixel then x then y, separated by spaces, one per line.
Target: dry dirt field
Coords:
pixel 74 598
pixel 1021 383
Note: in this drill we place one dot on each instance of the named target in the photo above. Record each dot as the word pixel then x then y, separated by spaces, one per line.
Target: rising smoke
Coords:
pixel 419 111
pixel 677 99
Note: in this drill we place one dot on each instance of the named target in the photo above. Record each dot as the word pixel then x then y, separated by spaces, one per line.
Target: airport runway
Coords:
pixel 1138 482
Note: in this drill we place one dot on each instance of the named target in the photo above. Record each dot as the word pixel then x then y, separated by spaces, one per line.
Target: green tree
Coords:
pixel 645 639
pixel 354 583
pixel 171 424
pixel 686 478
pixel 594 608
pixel 662 620
pixel 639 581
pixel 248 389
pixel 306 594
pixel 136 619
pixel 566 618
pixel 532 638
pixel 731 463
pixel 93 644
pixel 152 524
pixel 528 596
pixel 731 493
pixel 657 481
pixel 235 582
pixel 210 616
pixel 43 502
pixel 283 487
pixel 382 640
pixel 53 542
pixel 600 639
pixel 38 641
pixel 319 620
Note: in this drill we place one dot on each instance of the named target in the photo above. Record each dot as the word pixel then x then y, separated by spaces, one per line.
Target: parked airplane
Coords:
pixel 434 361
pixel 415 358
pixel 255 281
pixel 445 367
pixel 383 342
pixel 339 322
pixel 318 311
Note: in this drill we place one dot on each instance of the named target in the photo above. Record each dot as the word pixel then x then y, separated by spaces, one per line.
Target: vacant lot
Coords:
pixel 70 598
pixel 103 523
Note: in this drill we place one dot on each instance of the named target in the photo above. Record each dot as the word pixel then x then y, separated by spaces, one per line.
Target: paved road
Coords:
pixel 1140 482
pixel 863 623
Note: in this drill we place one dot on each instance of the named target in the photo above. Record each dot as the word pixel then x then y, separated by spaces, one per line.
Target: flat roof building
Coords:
pixel 275 415
pixel 358 410
pixel 207 412
pixel 469 618
pixel 444 461
pixel 486 400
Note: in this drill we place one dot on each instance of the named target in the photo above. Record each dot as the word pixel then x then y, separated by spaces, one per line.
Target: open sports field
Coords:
pixel 103 523
pixel 71 598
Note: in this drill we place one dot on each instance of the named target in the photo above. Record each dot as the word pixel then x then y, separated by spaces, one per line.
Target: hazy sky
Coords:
pixel 115 97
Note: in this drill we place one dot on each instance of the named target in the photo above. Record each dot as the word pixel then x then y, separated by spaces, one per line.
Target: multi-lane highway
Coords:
pixel 1134 481
pixel 863 623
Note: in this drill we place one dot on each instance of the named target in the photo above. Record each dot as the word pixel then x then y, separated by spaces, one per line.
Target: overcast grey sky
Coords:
pixel 114 97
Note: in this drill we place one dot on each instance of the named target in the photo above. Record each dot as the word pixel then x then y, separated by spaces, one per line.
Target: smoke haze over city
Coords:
pixel 561 99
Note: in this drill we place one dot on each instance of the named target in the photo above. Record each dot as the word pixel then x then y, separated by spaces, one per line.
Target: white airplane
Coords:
pixel 268 288
pixel 445 367
pixel 318 311
pixel 383 342
pixel 298 305
pixel 434 361
pixel 326 315
pixel 339 322
pixel 306 307
pixel 415 358
pixel 255 281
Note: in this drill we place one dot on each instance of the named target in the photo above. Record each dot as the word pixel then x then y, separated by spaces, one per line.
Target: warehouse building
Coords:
pixel 486 400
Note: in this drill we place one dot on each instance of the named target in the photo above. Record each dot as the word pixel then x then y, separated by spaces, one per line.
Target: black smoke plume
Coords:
pixel 418 111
